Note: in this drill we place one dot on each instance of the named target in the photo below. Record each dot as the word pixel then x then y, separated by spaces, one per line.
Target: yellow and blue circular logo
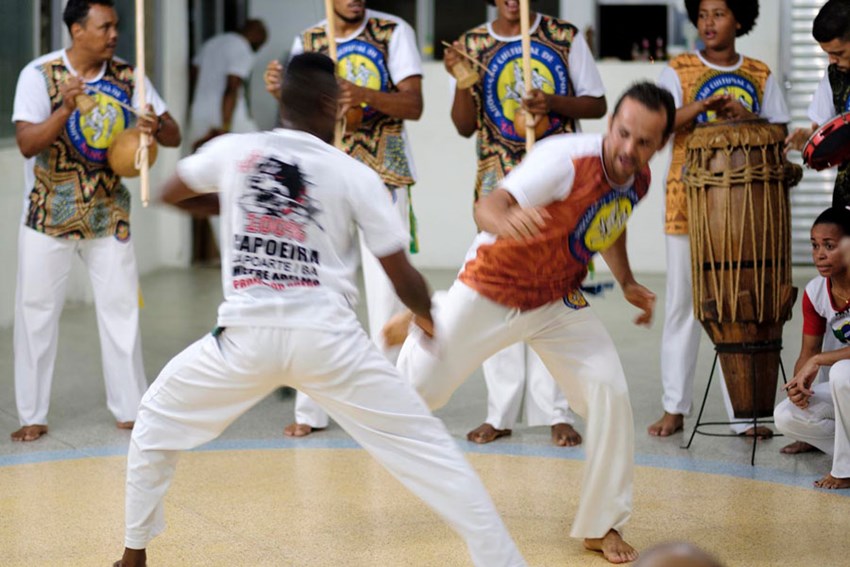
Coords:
pixel 738 87
pixel 841 329
pixel 364 65
pixel 575 300
pixel 504 85
pixel 92 133
pixel 602 223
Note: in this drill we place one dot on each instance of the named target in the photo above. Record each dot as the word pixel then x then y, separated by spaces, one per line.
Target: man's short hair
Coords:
pixel 77 11
pixel 654 98
pixel 307 75
pixel 832 22
pixel 745 12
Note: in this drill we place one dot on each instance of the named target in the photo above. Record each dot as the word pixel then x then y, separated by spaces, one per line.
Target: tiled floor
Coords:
pixel 255 501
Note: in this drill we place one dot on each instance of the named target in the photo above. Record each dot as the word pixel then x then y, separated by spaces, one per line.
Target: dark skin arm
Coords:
pixel 193 82
pixel 540 103
pixel 228 102
pixel 463 106
pixel 410 287
pixel 406 103
pixel 33 138
pixel 176 193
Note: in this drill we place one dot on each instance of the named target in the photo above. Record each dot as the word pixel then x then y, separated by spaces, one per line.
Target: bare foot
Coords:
pixel 669 424
pixel 125 424
pixel 832 483
pixel 299 430
pixel 564 435
pixel 761 432
pixel 29 433
pixel 486 433
pixel 395 330
pixel 798 447
pixel 613 547
pixel 132 558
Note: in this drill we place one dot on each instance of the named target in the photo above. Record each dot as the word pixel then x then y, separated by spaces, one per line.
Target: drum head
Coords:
pixel 829 145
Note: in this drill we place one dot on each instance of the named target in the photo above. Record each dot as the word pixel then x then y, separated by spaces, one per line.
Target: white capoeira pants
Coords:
pixel 217 379
pixel 580 355
pixel 518 380
pixel 826 422
pixel 44 266
pixel 681 336
pixel 381 304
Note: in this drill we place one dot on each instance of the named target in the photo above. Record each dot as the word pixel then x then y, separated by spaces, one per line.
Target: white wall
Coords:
pixel 445 161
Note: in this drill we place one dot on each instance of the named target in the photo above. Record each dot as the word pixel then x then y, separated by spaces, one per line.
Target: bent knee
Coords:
pixel 783 416
pixel 839 376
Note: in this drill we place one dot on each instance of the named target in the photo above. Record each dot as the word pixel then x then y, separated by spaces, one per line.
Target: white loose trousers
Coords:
pixel 825 423
pixel 215 380
pixel 577 351
pixel 518 380
pixel 381 304
pixel 44 265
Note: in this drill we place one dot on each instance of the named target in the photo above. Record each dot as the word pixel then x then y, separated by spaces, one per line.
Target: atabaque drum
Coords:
pixel 737 183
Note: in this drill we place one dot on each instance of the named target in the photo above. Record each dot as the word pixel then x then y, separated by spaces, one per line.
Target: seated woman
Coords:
pixel 817 416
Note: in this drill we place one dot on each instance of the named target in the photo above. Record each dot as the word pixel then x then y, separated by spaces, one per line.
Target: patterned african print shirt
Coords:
pixel 73 193
pixel 562 64
pixel 689 77
pixel 379 55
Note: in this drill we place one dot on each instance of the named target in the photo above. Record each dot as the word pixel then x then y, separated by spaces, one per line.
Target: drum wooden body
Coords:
pixel 739 222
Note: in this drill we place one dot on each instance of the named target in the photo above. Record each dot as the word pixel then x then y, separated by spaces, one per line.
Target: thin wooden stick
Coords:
pixel 331 34
pixel 525 27
pixel 142 156
pixel 470 57
pixel 123 105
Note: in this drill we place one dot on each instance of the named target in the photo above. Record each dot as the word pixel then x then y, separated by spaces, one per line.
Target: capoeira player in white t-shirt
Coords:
pixel 817 416
pixel 289 204
pixel 381 75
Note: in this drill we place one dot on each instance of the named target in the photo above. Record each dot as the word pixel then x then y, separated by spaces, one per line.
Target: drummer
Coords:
pixel 831 30
pixel 712 84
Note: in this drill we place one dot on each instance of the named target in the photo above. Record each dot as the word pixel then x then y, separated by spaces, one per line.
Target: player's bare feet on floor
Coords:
pixel 299 430
pixel 486 433
pixel 29 433
pixel 132 558
pixel 832 483
pixel 798 447
pixel 125 424
pixel 564 435
pixel 669 424
pixel 761 432
pixel 613 547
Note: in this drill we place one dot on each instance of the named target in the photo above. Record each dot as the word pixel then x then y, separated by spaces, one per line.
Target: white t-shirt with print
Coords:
pixel 290 204
pixel 822 108
pixel 404 59
pixel 221 56
pixel 32 102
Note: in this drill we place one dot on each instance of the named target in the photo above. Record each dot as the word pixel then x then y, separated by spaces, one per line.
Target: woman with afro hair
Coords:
pixel 713 83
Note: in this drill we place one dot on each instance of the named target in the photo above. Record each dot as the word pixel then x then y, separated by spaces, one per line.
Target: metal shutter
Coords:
pixel 803 64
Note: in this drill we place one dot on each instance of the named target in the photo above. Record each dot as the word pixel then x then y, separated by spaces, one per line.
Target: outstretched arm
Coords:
pixel 175 192
pixel 618 260
pixel 410 287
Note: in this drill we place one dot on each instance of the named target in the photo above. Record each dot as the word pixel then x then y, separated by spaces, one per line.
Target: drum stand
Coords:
pixel 747 348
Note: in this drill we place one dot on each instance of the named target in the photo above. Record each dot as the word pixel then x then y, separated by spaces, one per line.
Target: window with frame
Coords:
pixel 19 46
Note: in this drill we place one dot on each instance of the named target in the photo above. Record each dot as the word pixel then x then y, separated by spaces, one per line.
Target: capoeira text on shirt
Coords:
pixel 274 263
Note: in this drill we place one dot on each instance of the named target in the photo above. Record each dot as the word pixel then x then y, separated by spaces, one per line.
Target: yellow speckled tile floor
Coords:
pixel 253 497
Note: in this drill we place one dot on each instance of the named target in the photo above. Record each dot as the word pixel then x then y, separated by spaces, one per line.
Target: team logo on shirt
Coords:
pixel 602 223
pixel 575 300
pixel 841 328
pixel 504 85
pixel 276 200
pixel 92 133
pixel 737 86
pixel 364 65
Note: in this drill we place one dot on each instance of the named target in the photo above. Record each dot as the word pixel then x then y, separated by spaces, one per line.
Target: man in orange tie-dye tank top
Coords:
pixel 569 199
